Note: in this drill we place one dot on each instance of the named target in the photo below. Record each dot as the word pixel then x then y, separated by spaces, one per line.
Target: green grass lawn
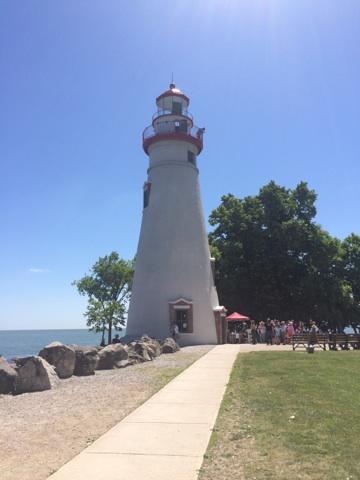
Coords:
pixel 288 415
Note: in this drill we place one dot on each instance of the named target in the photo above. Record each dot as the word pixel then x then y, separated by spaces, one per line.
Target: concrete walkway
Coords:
pixel 165 438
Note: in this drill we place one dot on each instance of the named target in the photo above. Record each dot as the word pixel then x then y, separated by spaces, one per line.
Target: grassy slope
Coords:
pixel 288 415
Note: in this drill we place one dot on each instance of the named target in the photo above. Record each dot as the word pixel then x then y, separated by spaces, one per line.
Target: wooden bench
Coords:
pixel 304 340
pixel 354 341
pixel 338 340
pixel 343 341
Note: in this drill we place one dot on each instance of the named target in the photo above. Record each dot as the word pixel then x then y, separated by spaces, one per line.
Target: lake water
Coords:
pixel 20 343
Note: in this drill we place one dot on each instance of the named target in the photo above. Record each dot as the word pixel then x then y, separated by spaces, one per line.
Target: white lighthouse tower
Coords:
pixel 173 282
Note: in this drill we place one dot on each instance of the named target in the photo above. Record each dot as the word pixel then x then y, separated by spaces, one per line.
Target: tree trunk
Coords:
pixel 355 328
pixel 110 332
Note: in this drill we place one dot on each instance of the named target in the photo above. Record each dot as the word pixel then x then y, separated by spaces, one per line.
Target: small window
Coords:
pixel 147 188
pixel 176 108
pixel 183 126
pixel 191 157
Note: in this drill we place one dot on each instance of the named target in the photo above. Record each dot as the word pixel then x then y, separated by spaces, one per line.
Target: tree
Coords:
pixel 108 288
pixel 351 269
pixel 274 260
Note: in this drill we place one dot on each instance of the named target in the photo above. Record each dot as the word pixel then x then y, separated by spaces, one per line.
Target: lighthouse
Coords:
pixel 174 272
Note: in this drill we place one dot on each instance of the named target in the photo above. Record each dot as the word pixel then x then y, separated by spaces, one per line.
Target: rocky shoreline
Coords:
pixel 58 361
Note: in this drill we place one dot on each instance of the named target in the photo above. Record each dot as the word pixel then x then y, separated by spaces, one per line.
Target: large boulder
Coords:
pixel 169 346
pixel 34 374
pixel 7 377
pixel 113 356
pixel 140 352
pixel 86 360
pixel 153 344
pixel 62 357
pixel 134 357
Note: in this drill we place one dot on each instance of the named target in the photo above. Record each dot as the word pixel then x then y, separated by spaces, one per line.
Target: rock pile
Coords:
pixel 34 374
pixel 143 350
pixel 169 346
pixel 7 377
pixel 56 360
pixel 152 344
pixel 113 356
pixel 86 360
pixel 62 357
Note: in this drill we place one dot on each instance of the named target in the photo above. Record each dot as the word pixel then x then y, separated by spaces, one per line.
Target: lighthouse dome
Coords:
pixel 171 96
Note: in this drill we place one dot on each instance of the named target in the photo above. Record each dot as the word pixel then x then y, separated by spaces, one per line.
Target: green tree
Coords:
pixel 274 260
pixel 108 288
pixel 351 270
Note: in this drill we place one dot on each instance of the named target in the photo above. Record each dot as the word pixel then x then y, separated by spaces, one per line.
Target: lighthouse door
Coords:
pixel 182 320
pixel 181 314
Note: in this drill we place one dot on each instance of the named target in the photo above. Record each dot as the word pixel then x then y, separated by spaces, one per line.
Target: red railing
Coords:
pixel 176 130
pixel 175 126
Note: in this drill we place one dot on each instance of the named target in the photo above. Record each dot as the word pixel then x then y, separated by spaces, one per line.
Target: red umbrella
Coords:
pixel 237 317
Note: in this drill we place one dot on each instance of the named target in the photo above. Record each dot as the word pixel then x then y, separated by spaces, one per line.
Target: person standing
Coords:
pixel 253 328
pixel 313 333
pixel 175 331
pixel 268 332
pixel 283 328
pixel 290 331
pixel 277 332
pixel 262 332
pixel 313 327
pixel 248 333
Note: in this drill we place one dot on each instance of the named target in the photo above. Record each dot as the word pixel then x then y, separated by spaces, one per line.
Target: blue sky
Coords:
pixel 275 82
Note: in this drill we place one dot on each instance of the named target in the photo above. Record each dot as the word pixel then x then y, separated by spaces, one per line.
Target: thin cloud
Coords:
pixel 39 270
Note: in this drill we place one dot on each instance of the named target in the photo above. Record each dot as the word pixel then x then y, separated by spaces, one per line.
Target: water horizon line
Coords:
pixel 51 329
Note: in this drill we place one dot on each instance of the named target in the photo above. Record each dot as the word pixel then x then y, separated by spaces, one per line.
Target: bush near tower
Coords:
pixel 274 260
pixel 108 287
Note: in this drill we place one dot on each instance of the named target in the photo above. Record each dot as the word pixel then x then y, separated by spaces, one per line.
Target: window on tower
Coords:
pixel 147 188
pixel 176 108
pixel 181 126
pixel 191 157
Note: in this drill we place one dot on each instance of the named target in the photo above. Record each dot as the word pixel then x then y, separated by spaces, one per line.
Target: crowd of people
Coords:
pixel 271 332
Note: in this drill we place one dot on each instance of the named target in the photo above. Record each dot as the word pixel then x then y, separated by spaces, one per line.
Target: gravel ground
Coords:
pixel 39 432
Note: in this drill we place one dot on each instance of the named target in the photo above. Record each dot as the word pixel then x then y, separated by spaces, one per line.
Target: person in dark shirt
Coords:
pixel 269 332
pixel 254 332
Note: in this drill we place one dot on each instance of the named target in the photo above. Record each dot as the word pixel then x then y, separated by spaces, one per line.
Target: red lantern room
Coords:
pixel 172 121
